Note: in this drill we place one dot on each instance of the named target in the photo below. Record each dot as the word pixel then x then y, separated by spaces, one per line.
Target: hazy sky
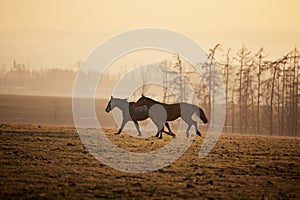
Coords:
pixel 71 24
pixel 182 15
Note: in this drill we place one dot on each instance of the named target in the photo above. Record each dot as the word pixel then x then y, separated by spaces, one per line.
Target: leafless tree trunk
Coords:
pixel 283 100
pixel 258 89
pixel 294 96
pixel 144 81
pixel 211 56
pixel 233 111
pixel 227 68
pixel 243 57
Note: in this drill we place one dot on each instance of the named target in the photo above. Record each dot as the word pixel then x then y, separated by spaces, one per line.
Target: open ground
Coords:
pixel 50 162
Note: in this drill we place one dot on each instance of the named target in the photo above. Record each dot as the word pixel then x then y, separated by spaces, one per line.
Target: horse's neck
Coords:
pixel 121 104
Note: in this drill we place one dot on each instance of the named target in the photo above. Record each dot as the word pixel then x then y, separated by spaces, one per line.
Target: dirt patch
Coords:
pixel 51 162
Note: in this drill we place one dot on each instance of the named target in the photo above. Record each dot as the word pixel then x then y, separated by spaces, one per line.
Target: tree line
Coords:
pixel 262 95
pixel 267 92
pixel 22 79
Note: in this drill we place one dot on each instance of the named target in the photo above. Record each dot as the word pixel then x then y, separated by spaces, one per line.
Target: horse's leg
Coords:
pixel 159 125
pixel 170 131
pixel 189 122
pixel 159 132
pixel 122 126
pixel 196 127
pixel 160 136
pixel 188 130
pixel 188 119
pixel 137 127
pixel 166 132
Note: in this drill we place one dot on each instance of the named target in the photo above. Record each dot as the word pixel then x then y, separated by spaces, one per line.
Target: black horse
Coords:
pixel 131 113
pixel 172 112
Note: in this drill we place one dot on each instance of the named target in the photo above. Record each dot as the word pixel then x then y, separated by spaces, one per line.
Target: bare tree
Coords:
pixel 165 73
pixel 260 69
pixel 243 59
pixel 227 71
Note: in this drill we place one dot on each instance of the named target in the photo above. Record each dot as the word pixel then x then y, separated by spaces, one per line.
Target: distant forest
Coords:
pixel 21 79
pixel 262 95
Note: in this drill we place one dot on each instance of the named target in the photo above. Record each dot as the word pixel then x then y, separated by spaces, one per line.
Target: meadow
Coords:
pixel 42 157
pixel 50 162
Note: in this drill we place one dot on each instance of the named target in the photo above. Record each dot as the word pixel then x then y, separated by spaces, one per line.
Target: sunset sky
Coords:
pixel 62 32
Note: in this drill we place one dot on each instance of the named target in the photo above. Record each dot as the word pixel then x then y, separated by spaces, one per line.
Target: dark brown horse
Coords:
pixel 131 113
pixel 172 112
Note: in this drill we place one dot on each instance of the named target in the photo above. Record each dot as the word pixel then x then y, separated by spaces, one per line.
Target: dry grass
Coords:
pixel 51 162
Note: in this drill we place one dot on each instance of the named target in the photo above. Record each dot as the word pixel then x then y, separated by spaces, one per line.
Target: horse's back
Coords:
pixel 173 111
pixel 188 109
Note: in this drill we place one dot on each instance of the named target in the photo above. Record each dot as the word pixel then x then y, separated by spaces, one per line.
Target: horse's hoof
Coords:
pixel 198 133
pixel 117 133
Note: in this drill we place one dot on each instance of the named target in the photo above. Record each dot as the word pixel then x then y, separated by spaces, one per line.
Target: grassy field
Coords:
pixel 50 162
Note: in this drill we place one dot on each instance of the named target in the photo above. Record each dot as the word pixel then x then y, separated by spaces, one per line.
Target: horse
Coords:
pixel 173 111
pixel 132 113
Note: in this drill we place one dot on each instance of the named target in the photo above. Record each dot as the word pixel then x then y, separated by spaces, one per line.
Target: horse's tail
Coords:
pixel 201 115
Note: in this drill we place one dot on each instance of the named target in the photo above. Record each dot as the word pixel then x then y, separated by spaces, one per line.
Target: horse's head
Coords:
pixel 109 107
pixel 116 102
pixel 141 102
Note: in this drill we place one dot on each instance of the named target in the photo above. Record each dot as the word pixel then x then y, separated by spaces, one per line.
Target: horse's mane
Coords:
pixel 119 99
pixel 132 103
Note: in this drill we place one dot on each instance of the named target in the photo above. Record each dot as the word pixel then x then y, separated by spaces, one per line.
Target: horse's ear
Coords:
pixel 111 97
pixel 143 95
